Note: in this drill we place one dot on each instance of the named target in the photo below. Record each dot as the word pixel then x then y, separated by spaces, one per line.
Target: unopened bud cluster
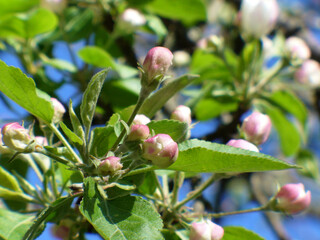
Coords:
pixel 183 114
pixel 309 73
pixel 109 166
pixel 15 137
pixel 206 230
pixel 292 199
pixel 257 128
pixel 161 150
pixel 298 48
pixel 243 144
pixel 155 65
pixel 59 110
pixel 258 17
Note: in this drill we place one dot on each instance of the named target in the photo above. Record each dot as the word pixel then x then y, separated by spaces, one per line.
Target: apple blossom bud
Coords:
pixel 131 18
pixel 258 17
pixel 161 150
pixel 292 198
pixel 56 6
pixel 182 113
pixel 109 166
pixel 206 230
pixel 240 143
pixel 15 136
pixel 138 132
pixel 256 128
pixel 141 119
pixel 59 110
pixel 157 63
pixel 309 73
pixel 3 149
pixel 298 48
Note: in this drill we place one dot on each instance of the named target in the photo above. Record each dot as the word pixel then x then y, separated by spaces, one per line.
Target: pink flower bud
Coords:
pixel 309 73
pixel 157 63
pixel 206 230
pixel 161 150
pixel 59 110
pixel 182 113
pixel 257 127
pixel 56 6
pixel 15 136
pixel 258 17
pixel 109 166
pixel 292 198
pixel 141 119
pixel 240 143
pixel 131 18
pixel 298 48
pixel 138 132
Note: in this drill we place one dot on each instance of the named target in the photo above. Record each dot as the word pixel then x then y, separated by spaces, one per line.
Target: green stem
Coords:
pixel 268 78
pixel 33 166
pixel 218 215
pixel 56 158
pixel 178 180
pixel 165 186
pixel 158 185
pixel 54 182
pixel 65 142
pixel 142 97
pixel 252 71
pixel 140 170
pixel 200 189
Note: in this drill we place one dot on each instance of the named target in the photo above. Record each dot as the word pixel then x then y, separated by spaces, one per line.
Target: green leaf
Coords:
pixel 201 156
pixel 96 56
pixel 8 181
pixel 290 103
pixel 288 133
pixel 157 26
pixel 176 129
pixel 209 66
pixel 40 21
pixel 26 186
pixel 60 64
pixel 45 213
pixel 71 135
pixel 156 101
pixel 188 11
pixel 90 98
pixel 13 195
pixel 114 92
pixel 309 163
pixel 79 23
pixel 125 71
pixel 149 184
pixel 28 25
pixel 16 6
pixel 77 127
pixel 102 140
pixel 235 233
pixel 14 225
pixel 22 90
pixel 210 108
pixel 127 218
